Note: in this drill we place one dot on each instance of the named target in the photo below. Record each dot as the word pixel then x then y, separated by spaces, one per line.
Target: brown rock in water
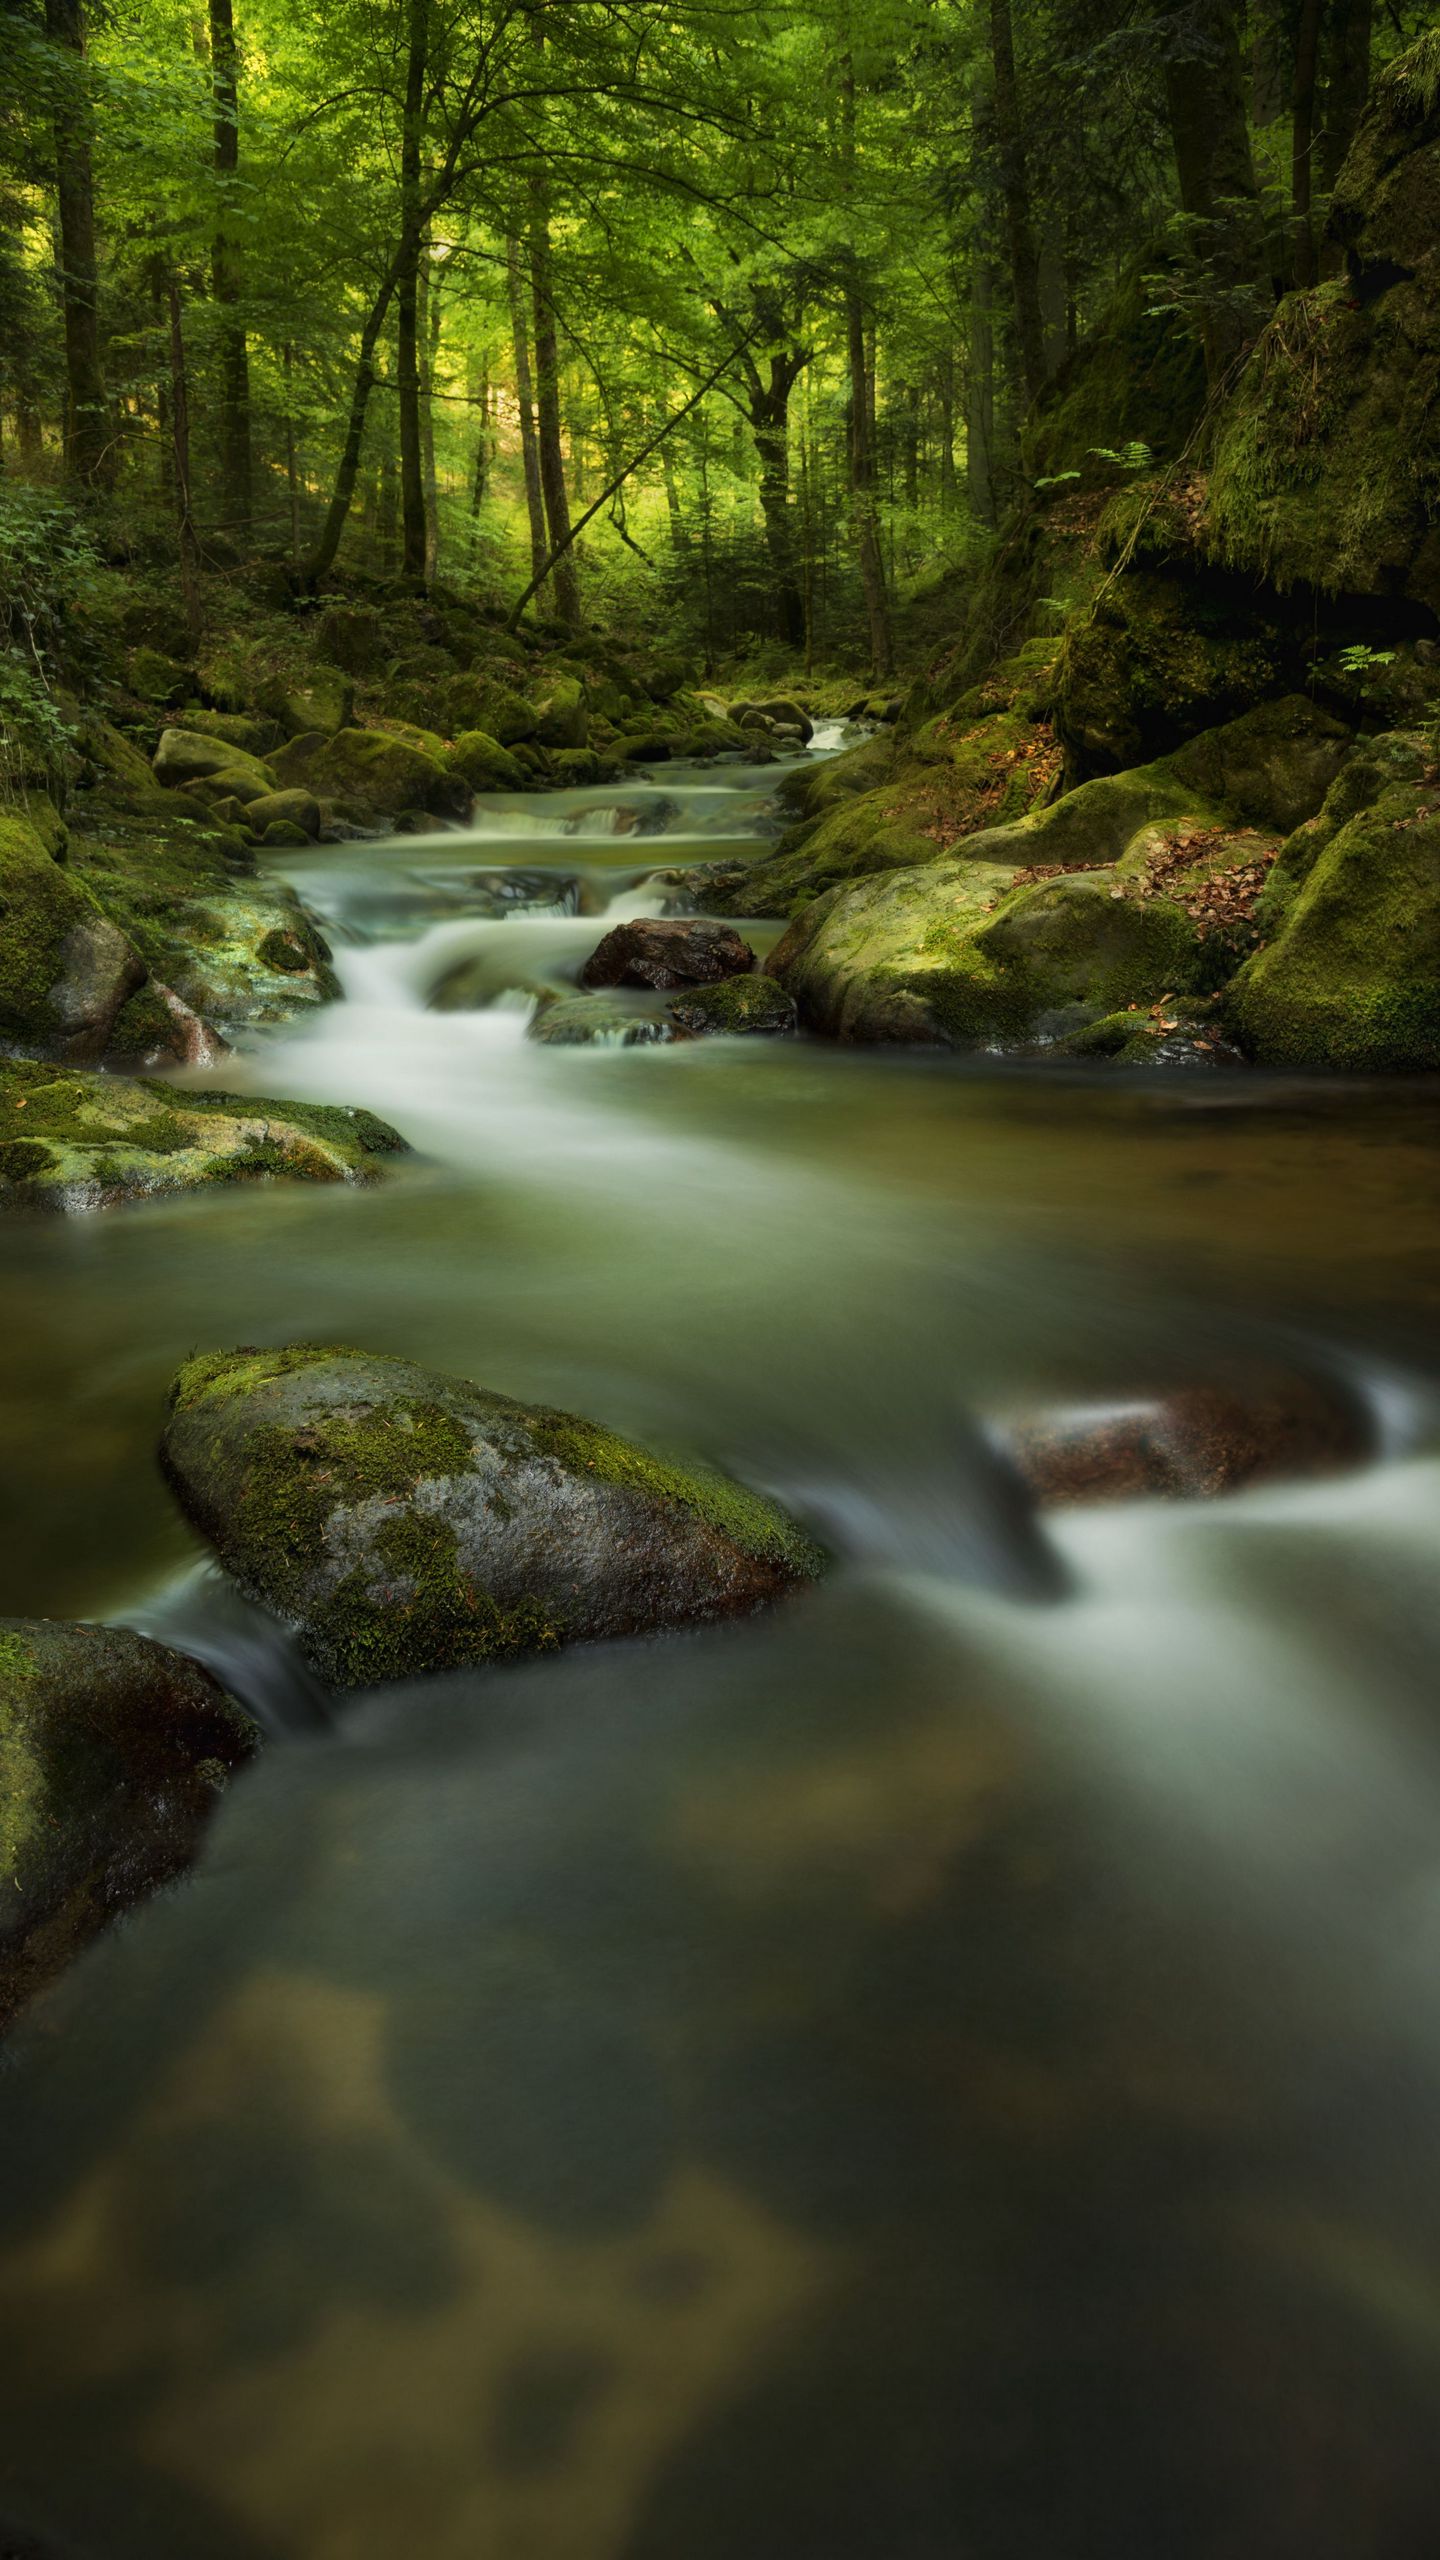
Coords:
pixel 667 951
pixel 1198 1441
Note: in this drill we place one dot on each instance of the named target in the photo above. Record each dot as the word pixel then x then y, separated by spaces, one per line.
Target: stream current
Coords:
pixel 940 2072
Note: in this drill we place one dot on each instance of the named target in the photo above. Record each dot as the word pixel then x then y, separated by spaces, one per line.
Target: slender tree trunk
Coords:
pixel 29 431
pixel 1205 97
pixel 292 475
pixel 862 444
pixel 188 543
pixel 679 534
pixel 235 452
pixel 89 446
pixel 566 586
pixel 429 318
pixel 980 397
pixel 388 511
pixel 481 472
pixel 770 422
pixel 525 402
pixel 1015 193
pixel 345 478
pixel 947 432
pixel 1302 142
pixel 407 295
pixel 1347 86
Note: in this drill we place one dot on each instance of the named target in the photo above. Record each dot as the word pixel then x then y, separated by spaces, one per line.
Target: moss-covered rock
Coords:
pixel 70 1141
pixel 113 1754
pixel 1327 461
pixel 186 756
pixel 1137 379
pixel 485 702
pixel 952 954
pixel 374 773
pixel 295 808
pixel 753 1005
pixel 563 719
pixel 1373 766
pixel 352 638
pixel 155 678
pixel 483 764
pixel 326 701
pixel 1352 977
pixel 403 1522
pixel 66 969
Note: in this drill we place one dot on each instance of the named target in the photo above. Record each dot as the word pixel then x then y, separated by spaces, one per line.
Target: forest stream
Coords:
pixel 947 2066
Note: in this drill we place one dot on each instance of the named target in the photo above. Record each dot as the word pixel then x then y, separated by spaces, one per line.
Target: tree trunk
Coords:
pixel 1205 97
pixel 1302 143
pixel 388 511
pixel 947 432
pixel 980 398
pixel 862 489
pixel 407 296
pixel 679 536
pixel 235 454
pixel 188 543
pixel 429 320
pixel 566 586
pixel 1015 193
pixel 89 447
pixel 525 403
pixel 769 419
pixel 1347 86
pixel 292 475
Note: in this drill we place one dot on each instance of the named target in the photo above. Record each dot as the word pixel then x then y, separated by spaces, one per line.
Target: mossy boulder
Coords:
pixel 1136 379
pixel 563 719
pixel 483 702
pixel 483 764
pixel 155 678
pixel 66 969
pixel 1352 977
pixel 756 1006
pixel 1273 767
pixel 951 954
pixel 113 1755
pixel 374 773
pixel 1326 469
pixel 325 701
pixel 402 1522
pixel 187 756
pixel 71 1141
pixel 294 808
pixel 258 738
pixel 1373 766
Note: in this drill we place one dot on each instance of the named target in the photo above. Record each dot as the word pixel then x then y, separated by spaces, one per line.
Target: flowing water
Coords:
pixel 944 2072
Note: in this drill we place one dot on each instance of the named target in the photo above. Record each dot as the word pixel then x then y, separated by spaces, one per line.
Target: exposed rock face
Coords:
pixel 1327 465
pixel 405 1522
pixel 113 1754
pixel 753 1005
pixel 71 1141
pixel 66 970
pixel 667 951
pixel 1196 1441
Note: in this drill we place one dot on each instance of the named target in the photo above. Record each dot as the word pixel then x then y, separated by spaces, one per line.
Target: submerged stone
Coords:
pixel 573 1022
pixel 402 1522
pixel 71 1141
pixel 1196 1441
pixel 113 1754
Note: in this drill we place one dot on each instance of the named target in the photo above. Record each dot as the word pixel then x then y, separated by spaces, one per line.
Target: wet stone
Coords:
pixel 667 951
pixel 1199 1441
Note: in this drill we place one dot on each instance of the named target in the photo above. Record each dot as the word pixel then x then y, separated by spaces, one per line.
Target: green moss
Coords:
pixel 22 1157
pixel 366 1631
pixel 1352 979
pixel 757 1527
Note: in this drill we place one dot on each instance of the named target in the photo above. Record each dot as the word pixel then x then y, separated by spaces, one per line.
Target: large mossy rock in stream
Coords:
pixel 66 970
pixel 1326 469
pixel 70 1141
pixel 404 1522
pixel 756 1007
pixel 373 773
pixel 953 955
pixel 1351 978
pixel 667 951
pixel 113 1755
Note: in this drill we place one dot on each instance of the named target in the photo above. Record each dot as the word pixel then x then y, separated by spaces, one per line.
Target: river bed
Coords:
pixel 939 2070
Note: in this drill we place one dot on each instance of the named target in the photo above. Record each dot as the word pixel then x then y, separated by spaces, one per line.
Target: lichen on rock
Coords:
pixel 404 1522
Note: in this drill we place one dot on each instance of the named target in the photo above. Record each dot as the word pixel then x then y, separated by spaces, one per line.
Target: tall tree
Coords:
pixel 235 443
pixel 1205 100
pixel 90 451
pixel 1020 239
pixel 525 404
pixel 547 405
pixel 408 257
